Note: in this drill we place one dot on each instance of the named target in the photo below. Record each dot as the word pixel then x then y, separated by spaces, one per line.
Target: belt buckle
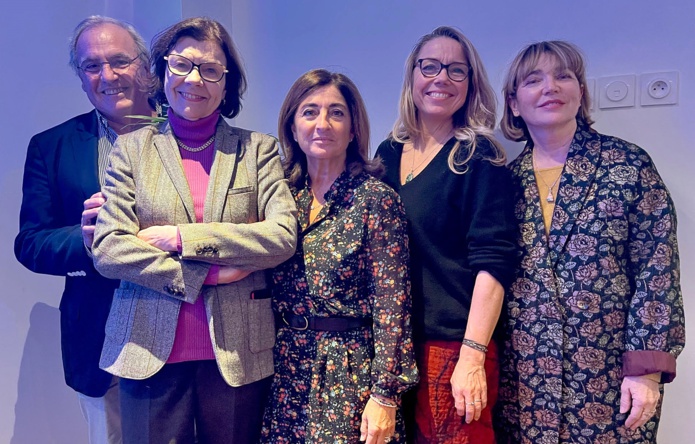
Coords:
pixel 306 323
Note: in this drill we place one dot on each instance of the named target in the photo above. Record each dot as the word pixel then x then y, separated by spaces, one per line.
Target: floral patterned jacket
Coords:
pixel 597 299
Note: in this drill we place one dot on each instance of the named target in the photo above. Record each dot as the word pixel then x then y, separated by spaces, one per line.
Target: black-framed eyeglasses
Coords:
pixel 181 66
pixel 457 71
pixel 117 64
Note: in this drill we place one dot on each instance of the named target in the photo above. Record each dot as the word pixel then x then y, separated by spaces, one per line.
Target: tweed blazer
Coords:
pixel 249 222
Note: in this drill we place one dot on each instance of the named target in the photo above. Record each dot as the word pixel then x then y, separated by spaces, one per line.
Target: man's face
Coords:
pixel 114 92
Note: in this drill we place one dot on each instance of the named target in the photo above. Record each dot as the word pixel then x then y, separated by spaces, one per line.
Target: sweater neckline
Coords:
pixel 193 132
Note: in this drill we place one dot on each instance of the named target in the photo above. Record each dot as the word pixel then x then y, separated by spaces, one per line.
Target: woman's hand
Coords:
pixel 639 395
pixel 163 237
pixel 469 384
pixel 378 423
pixel 229 274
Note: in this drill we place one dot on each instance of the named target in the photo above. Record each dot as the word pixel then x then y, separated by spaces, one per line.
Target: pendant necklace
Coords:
pixel 197 149
pixel 549 198
pixel 414 167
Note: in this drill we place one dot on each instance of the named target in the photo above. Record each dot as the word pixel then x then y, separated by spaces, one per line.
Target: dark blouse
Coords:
pixel 459 224
pixel 352 261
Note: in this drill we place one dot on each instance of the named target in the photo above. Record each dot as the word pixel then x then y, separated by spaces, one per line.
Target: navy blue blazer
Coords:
pixel 60 173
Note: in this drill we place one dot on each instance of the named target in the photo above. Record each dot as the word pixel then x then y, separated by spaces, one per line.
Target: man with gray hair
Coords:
pixel 63 175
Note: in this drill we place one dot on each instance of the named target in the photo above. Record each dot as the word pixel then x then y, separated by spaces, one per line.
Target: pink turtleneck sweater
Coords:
pixel 192 341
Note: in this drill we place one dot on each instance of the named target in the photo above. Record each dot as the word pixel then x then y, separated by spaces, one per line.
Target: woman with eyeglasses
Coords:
pixel 443 160
pixel 195 211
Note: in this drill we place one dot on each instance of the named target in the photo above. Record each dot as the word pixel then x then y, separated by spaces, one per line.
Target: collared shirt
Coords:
pixel 107 138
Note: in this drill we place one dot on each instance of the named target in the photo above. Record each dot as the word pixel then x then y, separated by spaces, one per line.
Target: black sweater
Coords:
pixel 459 224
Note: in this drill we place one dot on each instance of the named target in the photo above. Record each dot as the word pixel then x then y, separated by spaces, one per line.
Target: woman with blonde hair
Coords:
pixel 445 164
pixel 595 314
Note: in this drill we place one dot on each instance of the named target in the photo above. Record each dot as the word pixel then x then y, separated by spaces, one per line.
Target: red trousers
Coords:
pixel 435 415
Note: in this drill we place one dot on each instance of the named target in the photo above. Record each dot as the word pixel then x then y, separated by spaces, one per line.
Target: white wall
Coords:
pixel 368 41
pixel 40 91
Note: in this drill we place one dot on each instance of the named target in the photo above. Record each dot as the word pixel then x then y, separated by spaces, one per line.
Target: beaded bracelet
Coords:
pixel 474 345
pixel 383 402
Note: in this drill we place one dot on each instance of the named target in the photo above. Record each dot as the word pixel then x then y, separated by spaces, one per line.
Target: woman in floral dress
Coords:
pixel 595 316
pixel 343 353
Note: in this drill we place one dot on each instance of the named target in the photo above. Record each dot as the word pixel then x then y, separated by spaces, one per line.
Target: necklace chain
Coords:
pixel 318 204
pixel 549 198
pixel 196 149
pixel 414 167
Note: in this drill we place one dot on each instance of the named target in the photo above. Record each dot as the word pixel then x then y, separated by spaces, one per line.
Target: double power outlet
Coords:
pixel 659 88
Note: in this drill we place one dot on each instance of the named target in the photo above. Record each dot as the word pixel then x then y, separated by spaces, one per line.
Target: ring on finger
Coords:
pixel 478 401
pixel 470 403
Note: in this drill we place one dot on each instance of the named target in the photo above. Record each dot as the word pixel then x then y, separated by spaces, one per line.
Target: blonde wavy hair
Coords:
pixel 476 118
pixel 567 56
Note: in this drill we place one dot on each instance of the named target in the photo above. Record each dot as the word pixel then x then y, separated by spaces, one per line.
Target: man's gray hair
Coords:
pixel 98 20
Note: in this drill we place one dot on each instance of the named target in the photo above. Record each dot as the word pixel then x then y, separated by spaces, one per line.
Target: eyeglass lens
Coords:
pixel 119 63
pixel 458 72
pixel 181 66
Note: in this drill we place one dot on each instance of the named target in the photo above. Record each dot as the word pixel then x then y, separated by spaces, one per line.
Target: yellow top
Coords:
pixel 548 181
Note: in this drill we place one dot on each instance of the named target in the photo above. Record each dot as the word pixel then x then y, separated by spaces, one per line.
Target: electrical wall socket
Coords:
pixel 659 88
pixel 616 91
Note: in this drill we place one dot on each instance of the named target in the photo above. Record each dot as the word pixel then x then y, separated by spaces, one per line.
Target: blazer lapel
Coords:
pixel 577 180
pixel 168 151
pixel 533 228
pixel 84 143
pixel 224 168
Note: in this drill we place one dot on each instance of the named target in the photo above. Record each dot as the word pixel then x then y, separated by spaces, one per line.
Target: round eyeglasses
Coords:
pixel 118 64
pixel 208 71
pixel 457 71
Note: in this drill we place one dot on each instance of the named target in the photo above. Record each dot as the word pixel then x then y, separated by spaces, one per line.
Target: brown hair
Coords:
pixel 294 159
pixel 202 29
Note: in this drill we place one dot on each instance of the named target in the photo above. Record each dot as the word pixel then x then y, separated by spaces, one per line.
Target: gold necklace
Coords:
pixel 315 206
pixel 549 198
pixel 413 167
pixel 318 203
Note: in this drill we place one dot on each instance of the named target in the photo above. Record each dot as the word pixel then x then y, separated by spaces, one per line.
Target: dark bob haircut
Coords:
pixel 202 29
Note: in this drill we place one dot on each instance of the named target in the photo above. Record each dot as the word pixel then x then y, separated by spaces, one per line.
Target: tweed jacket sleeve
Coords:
pixel 249 217
pixel 118 253
pixel 257 228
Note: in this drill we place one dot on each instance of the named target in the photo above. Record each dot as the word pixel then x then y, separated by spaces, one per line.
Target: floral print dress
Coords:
pixel 352 261
pixel 595 299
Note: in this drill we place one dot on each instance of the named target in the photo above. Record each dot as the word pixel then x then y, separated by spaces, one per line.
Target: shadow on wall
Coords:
pixel 513 149
pixel 47 410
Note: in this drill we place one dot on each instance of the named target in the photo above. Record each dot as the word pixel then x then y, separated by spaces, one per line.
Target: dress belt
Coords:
pixel 321 323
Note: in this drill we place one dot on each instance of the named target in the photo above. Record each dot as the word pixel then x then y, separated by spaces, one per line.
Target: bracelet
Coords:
pixel 383 402
pixel 474 345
